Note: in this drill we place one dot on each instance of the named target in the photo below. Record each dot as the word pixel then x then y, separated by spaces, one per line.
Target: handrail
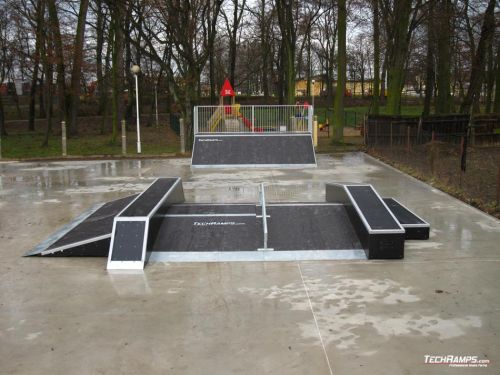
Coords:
pixel 264 216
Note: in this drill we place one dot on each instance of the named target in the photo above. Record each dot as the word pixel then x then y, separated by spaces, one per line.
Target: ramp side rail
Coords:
pixel 264 216
pixel 253 119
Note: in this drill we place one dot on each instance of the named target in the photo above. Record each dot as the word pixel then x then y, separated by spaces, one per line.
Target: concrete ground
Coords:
pixel 69 316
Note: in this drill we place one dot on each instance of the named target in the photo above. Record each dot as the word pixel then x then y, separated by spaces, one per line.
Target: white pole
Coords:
pixel 183 137
pixel 253 118
pixel 138 114
pixel 156 104
pixel 63 137
pixel 124 138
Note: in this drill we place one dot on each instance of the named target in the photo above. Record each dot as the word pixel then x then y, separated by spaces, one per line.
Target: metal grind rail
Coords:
pixel 264 216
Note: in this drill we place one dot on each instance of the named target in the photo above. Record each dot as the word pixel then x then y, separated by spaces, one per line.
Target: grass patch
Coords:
pixel 27 145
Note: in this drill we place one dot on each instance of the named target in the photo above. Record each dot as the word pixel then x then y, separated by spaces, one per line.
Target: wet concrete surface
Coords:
pixel 70 316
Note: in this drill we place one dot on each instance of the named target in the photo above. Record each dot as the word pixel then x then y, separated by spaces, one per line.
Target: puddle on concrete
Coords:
pixel 343 307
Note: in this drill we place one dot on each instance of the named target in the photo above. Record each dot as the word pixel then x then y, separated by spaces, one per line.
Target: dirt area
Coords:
pixel 439 165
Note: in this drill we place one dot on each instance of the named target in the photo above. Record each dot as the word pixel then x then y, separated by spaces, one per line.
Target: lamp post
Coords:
pixel 135 71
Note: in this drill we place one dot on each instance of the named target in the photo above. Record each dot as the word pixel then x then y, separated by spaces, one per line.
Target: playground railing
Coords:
pixel 253 119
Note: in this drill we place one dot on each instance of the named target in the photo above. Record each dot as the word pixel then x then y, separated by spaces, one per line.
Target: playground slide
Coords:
pixel 248 123
pixel 214 120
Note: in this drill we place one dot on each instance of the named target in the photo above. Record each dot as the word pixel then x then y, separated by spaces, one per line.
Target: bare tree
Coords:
pixel 338 104
pixel 476 77
pixel 232 28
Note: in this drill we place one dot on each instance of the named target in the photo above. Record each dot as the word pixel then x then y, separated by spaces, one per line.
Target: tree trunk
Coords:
pixel 129 107
pixel 232 45
pixel 429 70
pixel 383 78
pixel 309 65
pixel 264 50
pixel 104 90
pixel 289 72
pixel 211 76
pixel 476 77
pixel 496 103
pixel 3 131
pixel 41 100
pixel 59 59
pixel 117 67
pixel 100 20
pixel 32 99
pixel 397 59
pixel 444 33
pixel 47 58
pixel 286 23
pixel 338 105
pixel 490 79
pixel 77 66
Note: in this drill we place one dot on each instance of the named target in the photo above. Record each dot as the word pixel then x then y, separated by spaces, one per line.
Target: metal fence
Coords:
pixel 253 119
pixel 406 130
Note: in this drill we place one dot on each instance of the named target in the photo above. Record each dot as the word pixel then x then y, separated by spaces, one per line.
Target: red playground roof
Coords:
pixel 226 89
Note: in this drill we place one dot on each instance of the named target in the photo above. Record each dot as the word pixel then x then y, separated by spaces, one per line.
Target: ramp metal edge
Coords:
pixel 255 134
pixel 229 166
pixel 259 255
pixel 40 248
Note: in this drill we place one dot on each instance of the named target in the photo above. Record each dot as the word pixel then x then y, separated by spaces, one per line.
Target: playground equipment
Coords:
pixel 229 117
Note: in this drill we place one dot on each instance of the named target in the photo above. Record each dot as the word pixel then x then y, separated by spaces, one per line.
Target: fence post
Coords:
pixel 310 119
pixel 462 150
pixel 183 138
pixel 195 121
pixel 315 131
pixel 63 138
pixel 124 138
pixel 253 118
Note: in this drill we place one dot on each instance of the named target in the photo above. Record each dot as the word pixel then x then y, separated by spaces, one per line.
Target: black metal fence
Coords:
pixel 405 130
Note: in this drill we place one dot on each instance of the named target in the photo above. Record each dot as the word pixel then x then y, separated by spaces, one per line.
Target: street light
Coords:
pixel 136 69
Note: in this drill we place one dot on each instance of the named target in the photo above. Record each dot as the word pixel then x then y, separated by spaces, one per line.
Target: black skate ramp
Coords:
pixel 87 235
pixel 254 150
pixel 415 227
pixel 353 222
